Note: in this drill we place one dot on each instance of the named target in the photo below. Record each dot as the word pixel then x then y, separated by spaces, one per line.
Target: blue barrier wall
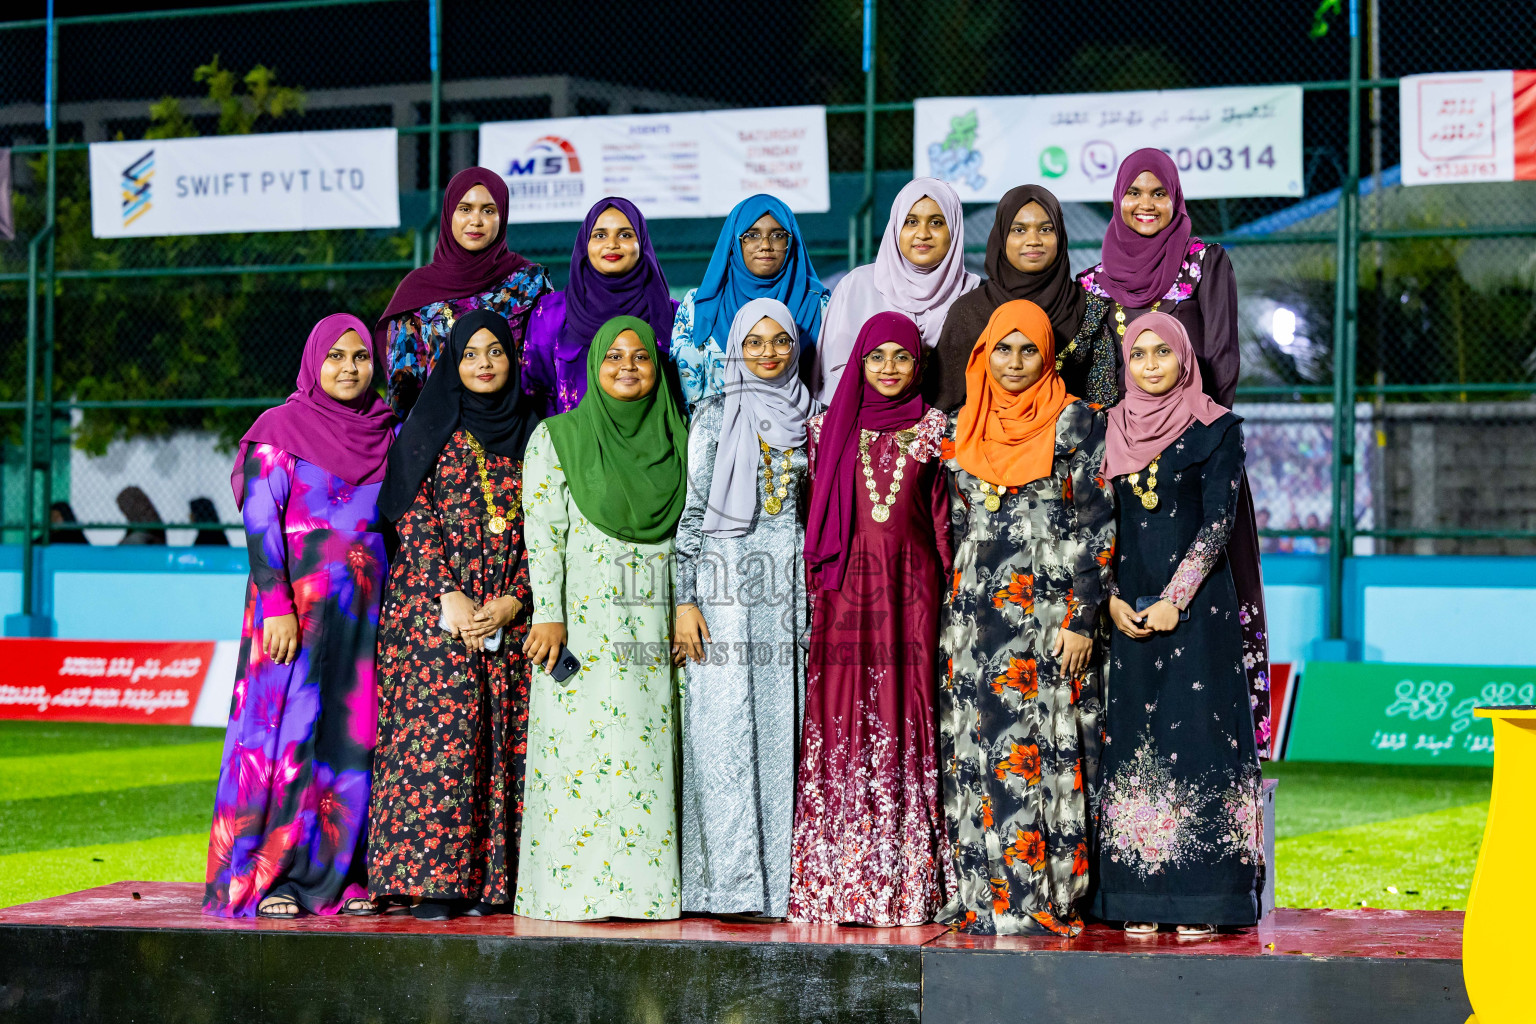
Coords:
pixel 1431 609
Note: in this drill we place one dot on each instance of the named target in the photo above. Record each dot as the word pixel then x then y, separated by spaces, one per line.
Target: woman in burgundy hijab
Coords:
pixel 1153 263
pixel 471 268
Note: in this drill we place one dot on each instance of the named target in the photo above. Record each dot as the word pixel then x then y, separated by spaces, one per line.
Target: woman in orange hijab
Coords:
pixel 1034 527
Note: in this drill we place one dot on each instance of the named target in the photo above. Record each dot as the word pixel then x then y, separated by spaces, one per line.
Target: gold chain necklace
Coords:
pixel 1120 316
pixel 882 510
pixel 776 493
pixel 1149 499
pixel 495 521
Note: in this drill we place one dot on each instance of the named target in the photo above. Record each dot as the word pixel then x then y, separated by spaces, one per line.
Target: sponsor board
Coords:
pixel 694 164
pixel 1226 142
pixel 1476 126
pixel 127 682
pixel 284 181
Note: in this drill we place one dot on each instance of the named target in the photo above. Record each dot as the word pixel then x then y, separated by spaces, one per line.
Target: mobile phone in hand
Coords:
pixel 566 665
pixel 1143 603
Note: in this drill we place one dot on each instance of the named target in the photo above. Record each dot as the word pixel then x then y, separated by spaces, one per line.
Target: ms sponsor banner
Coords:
pixel 288 181
pixel 128 682
pixel 1402 714
pixel 694 164
pixel 1477 126
pixel 1225 142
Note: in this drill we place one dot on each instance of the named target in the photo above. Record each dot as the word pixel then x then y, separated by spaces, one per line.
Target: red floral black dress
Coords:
pixel 447 801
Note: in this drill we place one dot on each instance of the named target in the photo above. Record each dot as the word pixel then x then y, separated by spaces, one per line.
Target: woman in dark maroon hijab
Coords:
pixel 1153 262
pixel 471 268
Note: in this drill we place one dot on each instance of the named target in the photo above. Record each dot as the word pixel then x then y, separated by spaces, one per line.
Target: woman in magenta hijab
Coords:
pixel 471 268
pixel 869 843
pixel 1153 262
pixel 1181 833
pixel 290 814
pixel 614 272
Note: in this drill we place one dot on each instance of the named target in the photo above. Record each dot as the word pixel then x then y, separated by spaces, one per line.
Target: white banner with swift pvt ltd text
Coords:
pixel 1225 142
pixel 692 164
pixel 288 181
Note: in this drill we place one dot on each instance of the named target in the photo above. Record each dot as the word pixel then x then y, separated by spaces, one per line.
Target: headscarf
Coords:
pixel 502 421
pixel 203 510
pixel 63 532
pixel 1143 425
pixel 626 463
pixel 728 284
pixel 925 294
pixel 1139 270
pixel 592 298
pixel 1052 289
pixel 455 272
pixel 349 440
pixel 1003 439
pixel 771 410
pixel 856 406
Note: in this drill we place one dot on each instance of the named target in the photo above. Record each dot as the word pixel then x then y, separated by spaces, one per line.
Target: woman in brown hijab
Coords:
pixel 1026 259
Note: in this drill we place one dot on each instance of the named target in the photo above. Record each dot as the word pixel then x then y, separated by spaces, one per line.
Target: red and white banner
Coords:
pixel 131 682
pixel 1476 126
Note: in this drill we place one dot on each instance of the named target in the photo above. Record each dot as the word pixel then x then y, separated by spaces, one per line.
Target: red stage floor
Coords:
pixel 1322 934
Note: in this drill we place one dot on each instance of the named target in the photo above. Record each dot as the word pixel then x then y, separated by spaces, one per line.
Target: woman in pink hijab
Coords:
pixel 1181 833
pixel 1153 262
pixel 919 271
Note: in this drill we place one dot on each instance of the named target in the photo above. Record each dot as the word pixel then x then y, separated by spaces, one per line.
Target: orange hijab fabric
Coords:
pixel 1003 439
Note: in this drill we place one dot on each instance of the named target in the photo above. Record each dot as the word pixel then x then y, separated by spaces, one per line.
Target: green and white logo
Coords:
pixel 1053 161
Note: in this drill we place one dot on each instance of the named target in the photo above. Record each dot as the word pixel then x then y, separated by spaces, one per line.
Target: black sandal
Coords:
pixel 360 906
pixel 274 908
pixel 432 910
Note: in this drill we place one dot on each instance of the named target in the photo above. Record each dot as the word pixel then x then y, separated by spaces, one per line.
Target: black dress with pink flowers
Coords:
pixel 1181 836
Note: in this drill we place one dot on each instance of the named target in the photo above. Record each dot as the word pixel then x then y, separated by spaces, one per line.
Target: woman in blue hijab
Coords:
pixel 760 254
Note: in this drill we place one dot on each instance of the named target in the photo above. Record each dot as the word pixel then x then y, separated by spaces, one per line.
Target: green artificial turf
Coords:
pixel 83 805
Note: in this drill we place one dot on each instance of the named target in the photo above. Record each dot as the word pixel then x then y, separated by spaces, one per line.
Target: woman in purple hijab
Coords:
pixel 1153 262
pixel 471 268
pixel 290 814
pixel 614 272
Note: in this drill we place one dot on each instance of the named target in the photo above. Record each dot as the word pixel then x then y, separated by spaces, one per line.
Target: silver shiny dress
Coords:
pixel 742 708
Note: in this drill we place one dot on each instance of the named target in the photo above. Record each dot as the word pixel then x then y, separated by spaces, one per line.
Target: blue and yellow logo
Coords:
pixel 137 178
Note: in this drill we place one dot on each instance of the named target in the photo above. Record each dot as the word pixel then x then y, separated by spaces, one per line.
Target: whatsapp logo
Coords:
pixel 1053 161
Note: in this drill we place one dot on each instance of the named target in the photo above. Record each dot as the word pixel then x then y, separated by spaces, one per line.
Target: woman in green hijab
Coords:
pixel 603 487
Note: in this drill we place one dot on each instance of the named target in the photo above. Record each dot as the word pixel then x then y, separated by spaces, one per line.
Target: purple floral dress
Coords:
pixel 290 815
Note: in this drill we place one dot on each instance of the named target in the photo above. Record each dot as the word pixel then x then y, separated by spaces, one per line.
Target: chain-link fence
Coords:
pixel 143 344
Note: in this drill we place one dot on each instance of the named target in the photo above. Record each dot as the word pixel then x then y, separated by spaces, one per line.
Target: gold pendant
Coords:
pixel 497 524
pixel 993 503
pixel 1149 500
pixel 773 505
pixel 880 513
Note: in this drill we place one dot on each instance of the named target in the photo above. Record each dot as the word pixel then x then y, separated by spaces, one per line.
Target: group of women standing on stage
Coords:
pixel 866 606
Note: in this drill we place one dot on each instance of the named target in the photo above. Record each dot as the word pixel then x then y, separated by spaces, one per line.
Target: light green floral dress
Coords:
pixel 600 834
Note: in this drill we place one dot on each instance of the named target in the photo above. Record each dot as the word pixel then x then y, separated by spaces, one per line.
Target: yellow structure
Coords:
pixel 1498 944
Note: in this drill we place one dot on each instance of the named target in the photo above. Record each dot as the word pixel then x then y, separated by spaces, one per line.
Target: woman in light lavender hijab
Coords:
pixel 741 616
pixel 919 271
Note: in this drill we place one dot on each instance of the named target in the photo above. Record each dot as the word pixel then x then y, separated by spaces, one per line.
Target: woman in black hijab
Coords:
pixel 1026 259
pixel 453 687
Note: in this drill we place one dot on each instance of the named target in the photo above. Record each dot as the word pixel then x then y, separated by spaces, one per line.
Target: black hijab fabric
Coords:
pixel 501 422
pixel 1053 288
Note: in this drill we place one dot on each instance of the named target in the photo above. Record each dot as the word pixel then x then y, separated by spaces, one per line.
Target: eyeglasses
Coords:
pixel 783 345
pixel 776 239
pixel 878 358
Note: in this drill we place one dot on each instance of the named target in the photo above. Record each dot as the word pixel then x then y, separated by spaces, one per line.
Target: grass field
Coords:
pixel 83 805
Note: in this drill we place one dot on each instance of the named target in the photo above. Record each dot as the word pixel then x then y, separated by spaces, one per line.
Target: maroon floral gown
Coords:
pixel 448 775
pixel 869 842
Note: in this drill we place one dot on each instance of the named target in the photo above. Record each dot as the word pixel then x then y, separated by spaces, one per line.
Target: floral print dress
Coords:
pixel 1019 739
pixel 447 796
pixel 290 812
pixel 869 834
pixel 1181 833
pixel 415 339
pixel 600 838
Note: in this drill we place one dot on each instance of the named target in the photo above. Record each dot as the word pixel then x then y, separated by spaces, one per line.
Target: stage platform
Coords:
pixel 106 956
